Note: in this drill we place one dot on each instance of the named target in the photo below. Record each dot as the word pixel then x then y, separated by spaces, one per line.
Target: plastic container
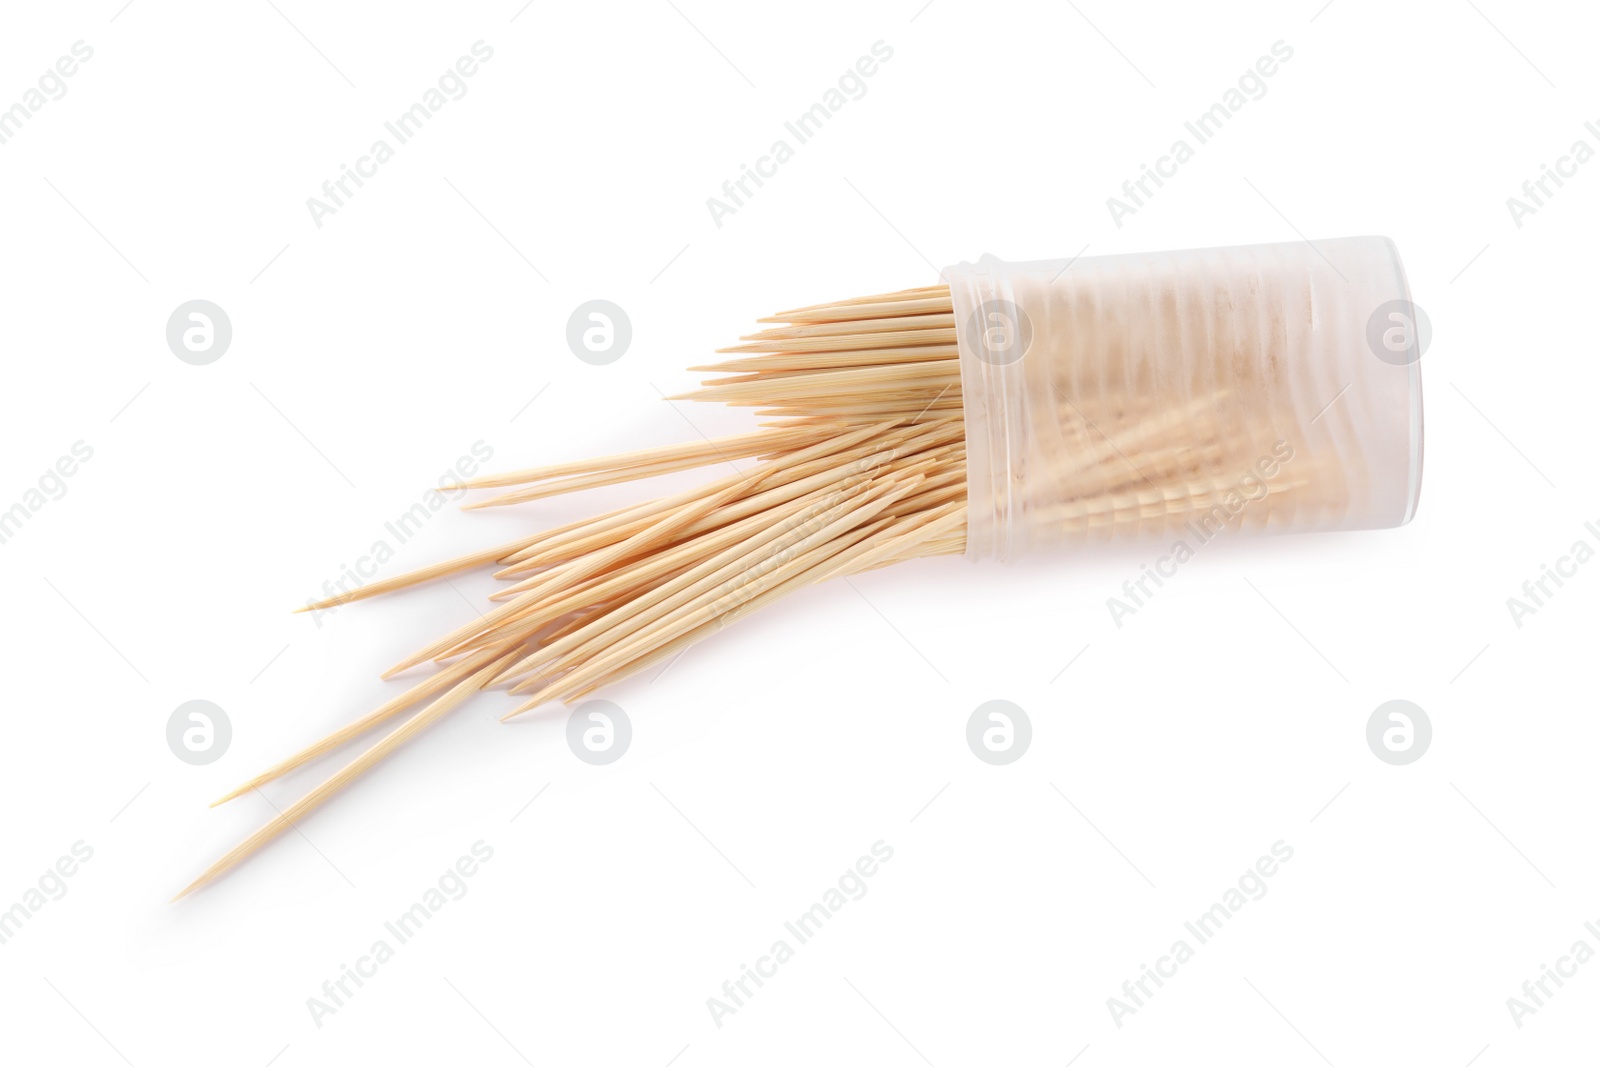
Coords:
pixel 1260 388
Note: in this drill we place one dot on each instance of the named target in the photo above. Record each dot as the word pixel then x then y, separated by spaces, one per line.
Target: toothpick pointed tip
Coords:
pixel 521 710
pixel 191 887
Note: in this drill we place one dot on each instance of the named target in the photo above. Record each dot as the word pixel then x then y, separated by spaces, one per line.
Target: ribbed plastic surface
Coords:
pixel 1261 388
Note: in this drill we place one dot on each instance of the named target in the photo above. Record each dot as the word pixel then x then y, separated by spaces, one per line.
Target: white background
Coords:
pixel 425 315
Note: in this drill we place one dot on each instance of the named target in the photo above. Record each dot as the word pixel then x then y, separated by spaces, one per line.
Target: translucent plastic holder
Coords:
pixel 1261 388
